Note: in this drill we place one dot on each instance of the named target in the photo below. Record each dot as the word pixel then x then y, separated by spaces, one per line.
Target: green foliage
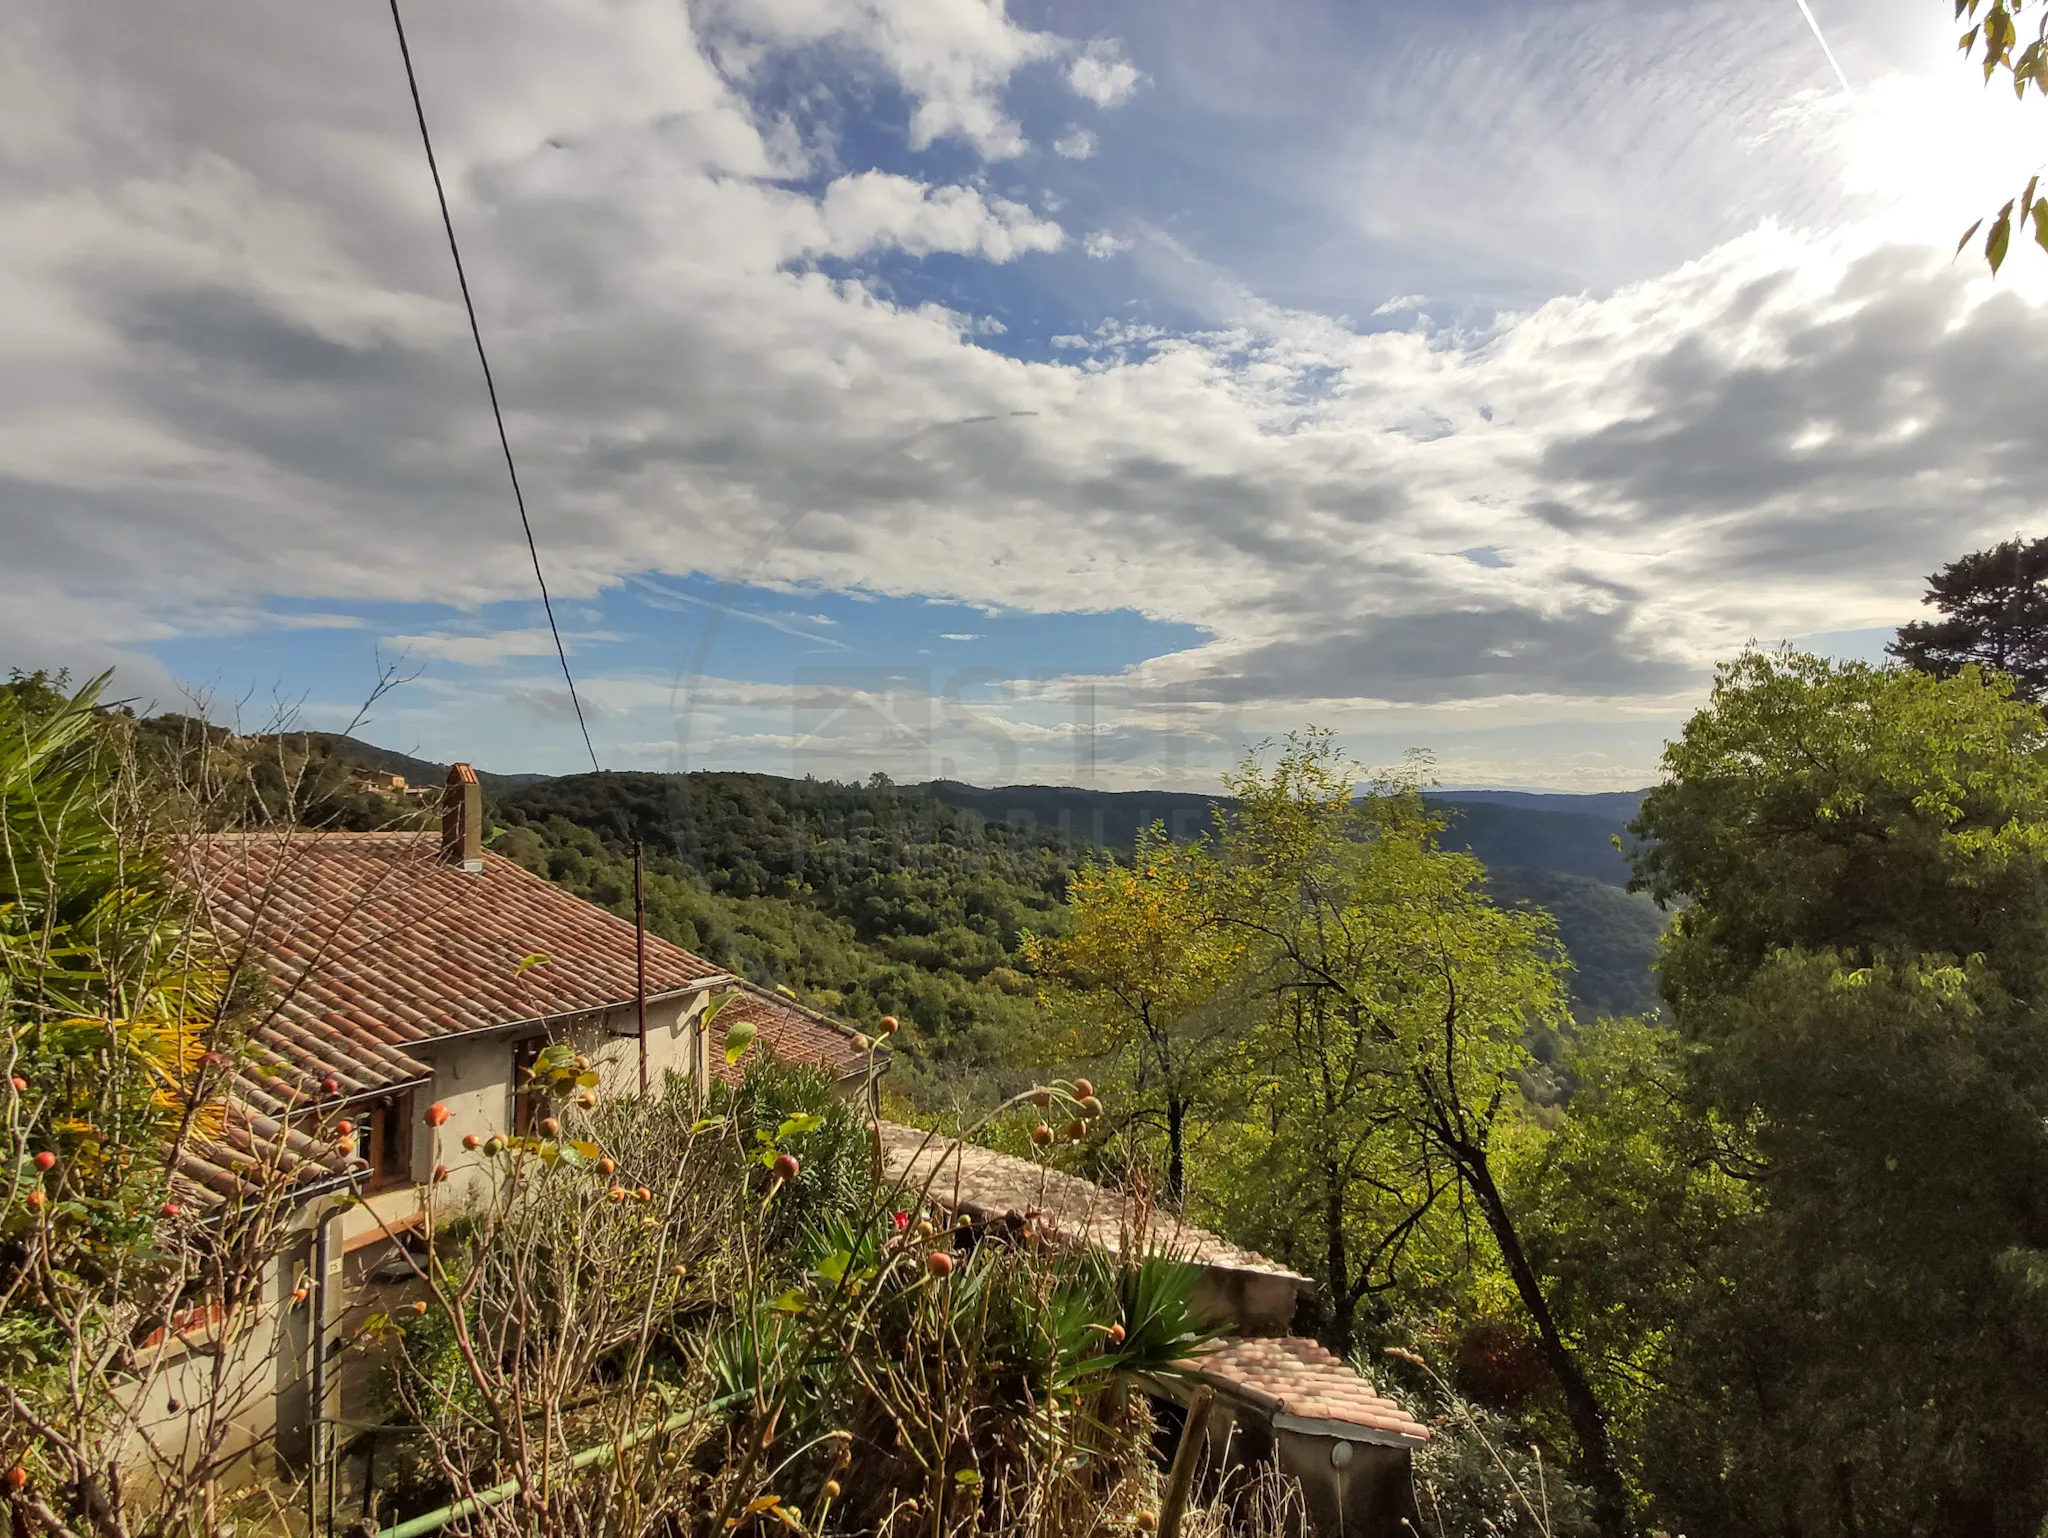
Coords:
pixel 865 901
pixel 1858 976
pixel 1994 606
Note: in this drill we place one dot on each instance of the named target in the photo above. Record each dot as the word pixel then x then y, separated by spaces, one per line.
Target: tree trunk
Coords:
pixel 1337 1263
pixel 1176 1164
pixel 1582 1406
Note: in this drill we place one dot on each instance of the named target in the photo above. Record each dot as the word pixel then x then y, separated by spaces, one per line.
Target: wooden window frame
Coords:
pixel 384 1142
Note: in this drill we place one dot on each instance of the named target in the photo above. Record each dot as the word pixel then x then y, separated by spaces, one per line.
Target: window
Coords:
pixel 524 1102
pixel 384 1141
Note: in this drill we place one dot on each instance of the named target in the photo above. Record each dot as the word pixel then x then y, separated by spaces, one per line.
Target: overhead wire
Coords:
pixel 490 384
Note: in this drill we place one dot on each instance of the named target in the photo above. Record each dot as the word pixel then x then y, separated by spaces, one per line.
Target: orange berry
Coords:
pixel 471 1141
pixel 1145 1521
pixel 641 1193
pixel 1041 1134
pixel 17 1477
pixel 299 1295
pixel 831 1490
pixel 1116 1335
pixel 889 1025
pixel 616 1193
pixel 1076 1130
pixel 440 1173
pixel 344 1128
pixel 1083 1089
pixel 45 1160
pixel 1041 1098
pixel 437 1115
pixel 1090 1106
pixel 419 1308
pixel 35 1197
pixel 608 1164
pixel 939 1263
pixel 549 1126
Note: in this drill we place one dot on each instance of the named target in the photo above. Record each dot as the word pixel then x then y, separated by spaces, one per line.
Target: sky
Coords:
pixel 1059 392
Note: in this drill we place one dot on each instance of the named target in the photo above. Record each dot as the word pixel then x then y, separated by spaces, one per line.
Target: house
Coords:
pixel 396 971
pixel 1278 1399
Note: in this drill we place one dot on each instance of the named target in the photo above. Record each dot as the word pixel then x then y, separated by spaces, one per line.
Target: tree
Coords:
pixel 1860 959
pixel 1146 971
pixel 1402 995
pixel 1995 614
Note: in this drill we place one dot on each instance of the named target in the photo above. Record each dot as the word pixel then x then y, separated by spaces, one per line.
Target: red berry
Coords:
pixel 608 1164
pixel 939 1263
pixel 1083 1089
pixel 437 1115
pixel 440 1173
pixel 471 1141
pixel 617 1193
pixel 889 1025
pixel 35 1197
pixel 642 1194
pixel 20 1084
pixel 549 1126
pixel 17 1477
pixel 45 1160
pixel 786 1167
pixel 1116 1335
pixel 330 1086
pixel 344 1128
pixel 170 1209
pixel 1041 1134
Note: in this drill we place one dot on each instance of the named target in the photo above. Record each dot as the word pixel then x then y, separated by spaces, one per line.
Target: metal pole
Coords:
pixel 640 952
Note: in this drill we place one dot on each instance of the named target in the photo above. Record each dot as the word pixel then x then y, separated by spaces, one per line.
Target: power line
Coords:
pixel 490 385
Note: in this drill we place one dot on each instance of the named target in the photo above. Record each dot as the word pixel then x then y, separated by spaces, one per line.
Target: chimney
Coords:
pixel 462 819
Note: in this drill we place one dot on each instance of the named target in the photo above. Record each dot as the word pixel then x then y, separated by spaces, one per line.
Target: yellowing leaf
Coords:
pixel 529 961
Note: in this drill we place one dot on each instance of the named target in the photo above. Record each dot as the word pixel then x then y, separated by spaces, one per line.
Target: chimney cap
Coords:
pixel 461 774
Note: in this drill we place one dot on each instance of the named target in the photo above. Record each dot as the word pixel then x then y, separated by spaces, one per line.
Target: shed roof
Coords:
pixel 1298 1380
pixel 988 1184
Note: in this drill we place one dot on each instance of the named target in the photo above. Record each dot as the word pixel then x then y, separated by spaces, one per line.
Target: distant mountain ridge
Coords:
pixel 1553 850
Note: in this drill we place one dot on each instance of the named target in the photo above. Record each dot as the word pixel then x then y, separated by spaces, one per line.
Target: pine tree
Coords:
pixel 1995 608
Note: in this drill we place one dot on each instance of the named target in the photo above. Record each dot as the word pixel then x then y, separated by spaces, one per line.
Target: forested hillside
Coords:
pixel 882 899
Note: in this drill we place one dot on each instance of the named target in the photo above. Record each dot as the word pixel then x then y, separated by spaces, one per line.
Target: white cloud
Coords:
pixel 1401 304
pixel 236 372
pixel 1074 144
pixel 876 209
pixel 1101 245
pixel 959 636
pixel 954 58
pixel 1103 75
pixel 484 650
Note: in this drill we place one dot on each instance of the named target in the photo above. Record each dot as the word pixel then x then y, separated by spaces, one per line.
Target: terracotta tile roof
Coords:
pixel 988 1184
pixel 797 1034
pixel 1299 1378
pixel 374 945
pixel 252 1152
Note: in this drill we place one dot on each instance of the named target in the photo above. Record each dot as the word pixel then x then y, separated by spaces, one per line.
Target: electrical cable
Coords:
pixel 490 384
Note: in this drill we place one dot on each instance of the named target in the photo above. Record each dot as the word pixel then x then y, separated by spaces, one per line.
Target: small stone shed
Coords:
pixel 1278 1397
